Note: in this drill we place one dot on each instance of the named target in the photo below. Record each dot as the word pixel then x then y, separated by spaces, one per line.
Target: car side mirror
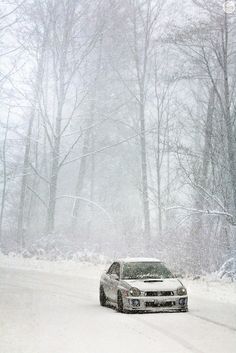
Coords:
pixel 178 275
pixel 114 277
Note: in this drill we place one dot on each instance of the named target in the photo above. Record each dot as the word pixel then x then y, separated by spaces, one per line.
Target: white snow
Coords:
pixel 214 290
pixel 53 308
pixel 139 259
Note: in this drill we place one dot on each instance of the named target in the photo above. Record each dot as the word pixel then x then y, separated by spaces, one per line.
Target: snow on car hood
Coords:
pixel 150 285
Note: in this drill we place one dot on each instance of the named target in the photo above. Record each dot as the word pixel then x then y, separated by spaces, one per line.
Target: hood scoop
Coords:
pixel 153 280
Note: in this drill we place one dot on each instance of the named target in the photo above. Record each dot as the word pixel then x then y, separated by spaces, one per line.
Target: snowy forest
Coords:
pixel 118 129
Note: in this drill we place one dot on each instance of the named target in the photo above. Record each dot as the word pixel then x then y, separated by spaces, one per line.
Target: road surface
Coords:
pixel 59 313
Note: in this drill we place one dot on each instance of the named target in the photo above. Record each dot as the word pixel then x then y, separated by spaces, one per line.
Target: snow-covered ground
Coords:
pixel 48 307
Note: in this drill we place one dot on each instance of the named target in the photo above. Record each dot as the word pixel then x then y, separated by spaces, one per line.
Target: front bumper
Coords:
pixel 156 304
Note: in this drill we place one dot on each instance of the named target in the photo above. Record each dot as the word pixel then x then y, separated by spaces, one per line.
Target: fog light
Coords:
pixel 182 301
pixel 135 302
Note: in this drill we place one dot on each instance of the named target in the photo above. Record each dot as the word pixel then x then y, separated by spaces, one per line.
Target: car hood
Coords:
pixel 155 285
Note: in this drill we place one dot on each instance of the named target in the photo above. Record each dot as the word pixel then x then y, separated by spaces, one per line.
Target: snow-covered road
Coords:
pixel 44 312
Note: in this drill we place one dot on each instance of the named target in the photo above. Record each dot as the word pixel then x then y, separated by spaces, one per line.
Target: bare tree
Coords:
pixel 40 52
pixel 5 176
pixel 142 19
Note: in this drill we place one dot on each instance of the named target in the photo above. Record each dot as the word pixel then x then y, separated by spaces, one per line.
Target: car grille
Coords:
pixel 160 304
pixel 159 294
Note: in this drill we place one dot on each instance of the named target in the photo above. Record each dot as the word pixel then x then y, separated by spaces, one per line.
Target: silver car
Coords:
pixel 142 285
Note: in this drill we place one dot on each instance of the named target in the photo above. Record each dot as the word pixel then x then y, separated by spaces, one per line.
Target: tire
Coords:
pixel 102 297
pixel 120 307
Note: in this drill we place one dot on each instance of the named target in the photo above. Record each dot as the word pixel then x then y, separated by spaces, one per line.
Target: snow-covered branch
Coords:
pixel 207 212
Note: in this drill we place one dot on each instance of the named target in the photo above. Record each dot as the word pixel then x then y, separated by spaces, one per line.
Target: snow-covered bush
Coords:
pixel 55 247
pixel 228 269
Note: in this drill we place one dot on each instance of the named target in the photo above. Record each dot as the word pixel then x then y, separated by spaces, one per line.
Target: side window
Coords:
pixel 118 269
pixel 114 269
pixel 111 268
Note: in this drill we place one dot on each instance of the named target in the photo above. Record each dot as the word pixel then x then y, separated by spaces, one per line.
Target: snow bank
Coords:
pixel 212 288
pixel 83 268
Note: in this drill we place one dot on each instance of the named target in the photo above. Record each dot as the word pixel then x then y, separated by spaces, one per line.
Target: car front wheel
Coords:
pixel 102 297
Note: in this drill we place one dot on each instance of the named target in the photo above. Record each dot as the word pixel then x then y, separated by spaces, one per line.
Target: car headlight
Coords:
pixel 135 292
pixel 181 291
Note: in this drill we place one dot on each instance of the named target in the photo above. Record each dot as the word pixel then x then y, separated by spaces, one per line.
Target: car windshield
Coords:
pixel 145 270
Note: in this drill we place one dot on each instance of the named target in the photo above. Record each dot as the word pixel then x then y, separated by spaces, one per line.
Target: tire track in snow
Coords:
pixel 231 328
pixel 47 283
pixel 49 288
pixel 171 335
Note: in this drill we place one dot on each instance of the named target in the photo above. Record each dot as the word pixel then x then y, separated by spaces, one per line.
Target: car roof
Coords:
pixel 138 259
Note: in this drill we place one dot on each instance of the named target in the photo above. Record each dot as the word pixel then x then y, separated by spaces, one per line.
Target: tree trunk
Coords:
pixel 86 143
pixel 230 129
pixel 26 164
pixel 158 174
pixel 3 199
pixel 146 212
pixel 55 164
pixel 80 180
pixel 60 56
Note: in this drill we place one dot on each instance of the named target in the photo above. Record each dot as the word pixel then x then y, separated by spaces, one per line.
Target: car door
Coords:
pixel 114 281
pixel 107 281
